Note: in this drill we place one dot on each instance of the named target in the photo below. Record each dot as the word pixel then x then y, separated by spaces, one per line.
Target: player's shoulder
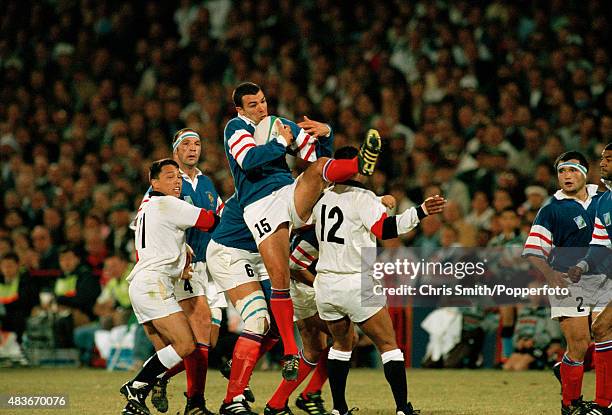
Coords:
pixel 234 125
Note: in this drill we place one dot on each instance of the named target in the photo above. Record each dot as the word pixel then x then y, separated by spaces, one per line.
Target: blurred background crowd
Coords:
pixel 475 100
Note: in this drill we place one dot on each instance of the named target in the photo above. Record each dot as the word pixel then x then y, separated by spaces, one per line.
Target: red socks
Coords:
pixel 196 366
pixel 603 373
pixel 174 370
pixel 282 309
pixel 571 378
pixel 340 170
pixel 244 359
pixel 319 377
pixel 286 388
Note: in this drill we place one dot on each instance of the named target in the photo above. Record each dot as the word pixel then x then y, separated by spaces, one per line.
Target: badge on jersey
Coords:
pixel 607 220
pixel 210 198
pixel 580 222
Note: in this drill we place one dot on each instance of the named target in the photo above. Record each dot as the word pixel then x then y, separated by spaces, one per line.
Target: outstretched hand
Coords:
pixel 314 128
pixel 388 201
pixel 434 205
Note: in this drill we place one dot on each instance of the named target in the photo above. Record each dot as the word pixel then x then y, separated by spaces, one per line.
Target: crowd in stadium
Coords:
pixel 474 101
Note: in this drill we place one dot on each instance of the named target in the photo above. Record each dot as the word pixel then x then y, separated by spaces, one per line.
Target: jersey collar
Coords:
pixel 193 183
pixel 156 193
pixel 353 183
pixel 608 183
pixel 247 120
pixel 591 191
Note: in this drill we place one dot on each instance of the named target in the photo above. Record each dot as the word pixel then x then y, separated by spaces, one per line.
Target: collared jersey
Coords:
pixel 563 222
pixel 258 170
pixel 201 193
pixel 160 235
pixel 344 217
pixel 232 231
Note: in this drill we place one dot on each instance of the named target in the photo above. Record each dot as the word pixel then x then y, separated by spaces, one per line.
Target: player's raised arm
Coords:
pixel 389 227
pixel 247 154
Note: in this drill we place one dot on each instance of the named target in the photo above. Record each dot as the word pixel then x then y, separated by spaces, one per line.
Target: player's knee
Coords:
pixel 184 347
pixel 254 312
pixel 601 330
pixel 577 347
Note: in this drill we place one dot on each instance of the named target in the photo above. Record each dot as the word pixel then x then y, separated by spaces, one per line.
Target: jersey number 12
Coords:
pixel 334 213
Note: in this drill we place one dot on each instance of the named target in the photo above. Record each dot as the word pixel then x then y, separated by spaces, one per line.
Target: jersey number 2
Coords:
pixel 335 212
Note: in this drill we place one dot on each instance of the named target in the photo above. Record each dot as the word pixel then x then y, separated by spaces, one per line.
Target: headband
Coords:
pixel 580 167
pixel 182 136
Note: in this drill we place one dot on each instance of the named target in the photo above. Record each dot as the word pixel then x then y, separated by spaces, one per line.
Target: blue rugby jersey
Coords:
pixel 205 196
pixel 562 223
pixel 599 256
pixel 304 251
pixel 259 170
pixel 232 231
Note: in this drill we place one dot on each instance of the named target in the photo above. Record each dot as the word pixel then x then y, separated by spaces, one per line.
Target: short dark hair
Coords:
pixel 245 88
pixel 346 153
pixel 74 248
pixel 157 166
pixel 569 155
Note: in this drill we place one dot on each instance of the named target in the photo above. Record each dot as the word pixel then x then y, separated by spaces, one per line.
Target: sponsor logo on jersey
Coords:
pixel 607 220
pixel 580 222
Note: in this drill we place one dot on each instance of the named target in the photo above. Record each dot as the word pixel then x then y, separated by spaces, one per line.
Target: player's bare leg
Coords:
pixel 379 329
pixel 578 336
pixel 602 333
pixel 173 329
pixel 274 251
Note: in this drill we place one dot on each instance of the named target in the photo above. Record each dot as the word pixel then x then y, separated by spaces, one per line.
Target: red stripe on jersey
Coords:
pixel 137 256
pixel 598 226
pixel 220 208
pixel 537 247
pixel 297 261
pixel 239 140
pixel 377 228
pixel 242 149
pixel 306 254
pixel 542 237
pixel 310 150
pixel 304 142
pixel 599 237
pixel 205 221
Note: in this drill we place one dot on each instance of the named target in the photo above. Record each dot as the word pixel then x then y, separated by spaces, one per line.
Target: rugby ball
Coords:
pixel 266 130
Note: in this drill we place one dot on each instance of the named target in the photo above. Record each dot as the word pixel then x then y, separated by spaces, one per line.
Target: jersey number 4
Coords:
pixel 334 213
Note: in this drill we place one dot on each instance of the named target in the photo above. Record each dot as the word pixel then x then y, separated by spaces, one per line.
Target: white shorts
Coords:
pixel 343 295
pixel 193 287
pixel 304 304
pixel 231 267
pixel 590 295
pixel 214 295
pixel 152 297
pixel 266 215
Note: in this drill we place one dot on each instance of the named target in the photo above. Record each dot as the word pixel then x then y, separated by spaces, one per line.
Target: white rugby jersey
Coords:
pixel 160 235
pixel 344 216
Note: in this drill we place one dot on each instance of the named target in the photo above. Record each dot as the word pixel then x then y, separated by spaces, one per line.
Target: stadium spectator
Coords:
pixel 17 293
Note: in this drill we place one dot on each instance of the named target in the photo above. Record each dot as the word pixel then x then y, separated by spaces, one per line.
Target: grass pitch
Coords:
pixel 435 392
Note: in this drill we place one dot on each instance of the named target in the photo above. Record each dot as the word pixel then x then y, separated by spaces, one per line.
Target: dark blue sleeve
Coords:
pixel 325 145
pixel 599 259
